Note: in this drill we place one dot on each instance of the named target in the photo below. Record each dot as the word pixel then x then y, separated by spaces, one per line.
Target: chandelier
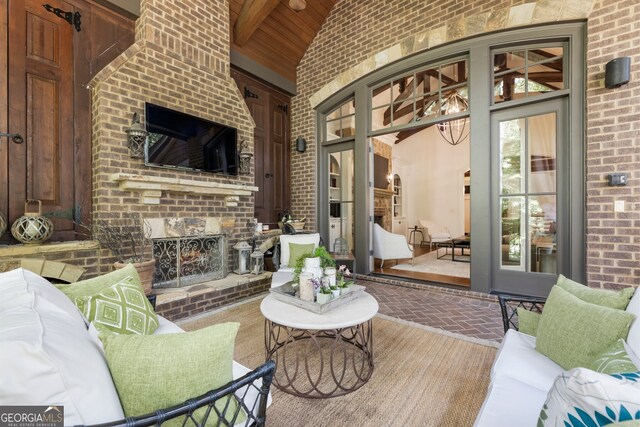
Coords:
pixel 454 131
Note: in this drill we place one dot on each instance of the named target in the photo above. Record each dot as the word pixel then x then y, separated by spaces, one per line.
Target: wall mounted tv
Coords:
pixel 380 172
pixel 179 140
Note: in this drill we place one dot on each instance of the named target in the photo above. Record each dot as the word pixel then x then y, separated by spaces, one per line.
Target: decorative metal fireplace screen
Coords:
pixel 182 261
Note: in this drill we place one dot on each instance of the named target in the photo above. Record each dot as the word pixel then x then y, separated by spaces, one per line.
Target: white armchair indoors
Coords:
pixel 388 245
pixel 435 233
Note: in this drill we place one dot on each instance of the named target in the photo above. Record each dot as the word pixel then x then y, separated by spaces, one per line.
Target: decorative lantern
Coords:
pixel 257 262
pixel 340 246
pixel 245 158
pixel 3 224
pixel 32 227
pixel 242 260
pixel 136 137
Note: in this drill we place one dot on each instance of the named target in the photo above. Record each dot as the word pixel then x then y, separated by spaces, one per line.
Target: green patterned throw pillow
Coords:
pixel 157 371
pixel 122 308
pixel 615 360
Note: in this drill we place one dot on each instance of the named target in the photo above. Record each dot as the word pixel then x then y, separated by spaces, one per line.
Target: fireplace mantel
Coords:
pixel 151 188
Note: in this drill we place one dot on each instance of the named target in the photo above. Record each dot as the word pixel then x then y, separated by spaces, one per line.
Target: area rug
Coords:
pixel 421 377
pixel 429 263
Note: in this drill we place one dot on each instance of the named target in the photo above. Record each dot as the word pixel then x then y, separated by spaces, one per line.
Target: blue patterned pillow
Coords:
pixel 582 397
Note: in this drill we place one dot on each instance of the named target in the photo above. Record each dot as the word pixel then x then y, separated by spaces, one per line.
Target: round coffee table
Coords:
pixel 320 355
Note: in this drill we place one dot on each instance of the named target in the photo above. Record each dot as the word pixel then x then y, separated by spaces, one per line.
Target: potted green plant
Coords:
pixel 326 260
pixel 344 284
pixel 324 295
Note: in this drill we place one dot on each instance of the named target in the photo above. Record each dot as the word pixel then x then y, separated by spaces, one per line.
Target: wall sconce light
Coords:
pixel 617 72
pixel 297 5
pixel 245 158
pixel 136 137
pixel 301 144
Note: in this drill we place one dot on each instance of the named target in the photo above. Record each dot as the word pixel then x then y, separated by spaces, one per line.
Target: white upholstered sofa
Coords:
pixel 49 357
pixel 521 377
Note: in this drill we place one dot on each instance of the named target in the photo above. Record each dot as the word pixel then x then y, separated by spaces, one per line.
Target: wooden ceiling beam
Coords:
pixel 251 16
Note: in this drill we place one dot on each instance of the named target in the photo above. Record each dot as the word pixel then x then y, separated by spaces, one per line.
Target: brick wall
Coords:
pixel 180 60
pixel 356 30
pixel 613 145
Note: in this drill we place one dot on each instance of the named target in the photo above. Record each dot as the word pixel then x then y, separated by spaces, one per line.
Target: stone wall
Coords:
pixel 180 60
pixel 359 37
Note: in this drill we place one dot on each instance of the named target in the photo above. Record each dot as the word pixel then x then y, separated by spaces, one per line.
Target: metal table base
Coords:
pixel 320 363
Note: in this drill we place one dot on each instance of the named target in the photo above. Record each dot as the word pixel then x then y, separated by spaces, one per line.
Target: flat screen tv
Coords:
pixel 380 172
pixel 179 140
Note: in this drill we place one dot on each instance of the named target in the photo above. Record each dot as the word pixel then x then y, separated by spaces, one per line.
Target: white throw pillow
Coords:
pixel 285 239
pixel 47 356
pixel 584 397
pixel 633 339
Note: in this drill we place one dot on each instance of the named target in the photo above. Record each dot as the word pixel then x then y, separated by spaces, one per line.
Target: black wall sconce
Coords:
pixel 245 156
pixel 301 144
pixel 136 137
pixel 617 72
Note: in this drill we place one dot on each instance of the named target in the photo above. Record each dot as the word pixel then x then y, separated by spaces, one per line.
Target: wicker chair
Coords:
pixel 241 387
pixel 509 307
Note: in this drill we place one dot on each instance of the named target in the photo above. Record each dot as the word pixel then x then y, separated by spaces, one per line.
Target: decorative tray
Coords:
pixel 287 293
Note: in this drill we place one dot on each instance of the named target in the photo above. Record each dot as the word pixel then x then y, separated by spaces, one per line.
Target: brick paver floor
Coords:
pixel 453 312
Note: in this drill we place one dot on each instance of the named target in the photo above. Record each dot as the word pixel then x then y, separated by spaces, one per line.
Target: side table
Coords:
pixel 320 355
pixel 347 259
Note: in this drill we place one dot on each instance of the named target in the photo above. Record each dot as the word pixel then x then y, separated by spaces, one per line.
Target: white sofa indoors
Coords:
pixel 521 377
pixel 286 267
pixel 48 356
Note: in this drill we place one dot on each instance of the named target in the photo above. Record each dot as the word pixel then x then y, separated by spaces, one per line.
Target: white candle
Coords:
pixel 243 263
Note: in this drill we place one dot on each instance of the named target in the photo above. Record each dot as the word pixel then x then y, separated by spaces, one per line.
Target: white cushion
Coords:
pixel 46 355
pixel 167 327
pixel 633 339
pixel 518 359
pixel 304 239
pixel 510 403
pixel 584 395
pixel 281 277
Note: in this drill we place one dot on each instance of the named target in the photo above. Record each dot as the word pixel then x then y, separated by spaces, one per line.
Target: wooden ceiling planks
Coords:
pixel 282 38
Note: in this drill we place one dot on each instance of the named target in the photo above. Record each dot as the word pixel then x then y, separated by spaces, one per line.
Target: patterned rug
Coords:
pixel 429 263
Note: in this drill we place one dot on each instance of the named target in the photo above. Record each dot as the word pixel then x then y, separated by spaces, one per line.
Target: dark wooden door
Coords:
pixel 44 75
pixel 40 106
pixel 270 111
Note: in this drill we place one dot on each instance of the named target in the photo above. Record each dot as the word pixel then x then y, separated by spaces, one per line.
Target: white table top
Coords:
pixel 355 312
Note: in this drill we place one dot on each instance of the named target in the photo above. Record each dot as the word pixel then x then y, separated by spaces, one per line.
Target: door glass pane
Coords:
pixel 341 198
pixel 513 211
pixel 542 229
pixel 511 149
pixel 541 134
pixel 528 193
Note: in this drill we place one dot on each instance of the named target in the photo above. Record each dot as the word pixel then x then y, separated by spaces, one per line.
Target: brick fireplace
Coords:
pixel 180 60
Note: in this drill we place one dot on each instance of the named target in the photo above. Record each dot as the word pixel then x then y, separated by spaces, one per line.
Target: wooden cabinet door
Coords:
pixel 40 106
pixel 279 155
pixel 270 112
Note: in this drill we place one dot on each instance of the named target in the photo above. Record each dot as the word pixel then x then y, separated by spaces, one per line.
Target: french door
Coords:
pixel 530 197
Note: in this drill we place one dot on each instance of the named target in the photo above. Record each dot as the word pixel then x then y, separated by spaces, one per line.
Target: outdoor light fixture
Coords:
pixel 297 5
pixel 454 131
pixel 136 137
pixel 245 156
pixel 301 144
pixel 617 72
